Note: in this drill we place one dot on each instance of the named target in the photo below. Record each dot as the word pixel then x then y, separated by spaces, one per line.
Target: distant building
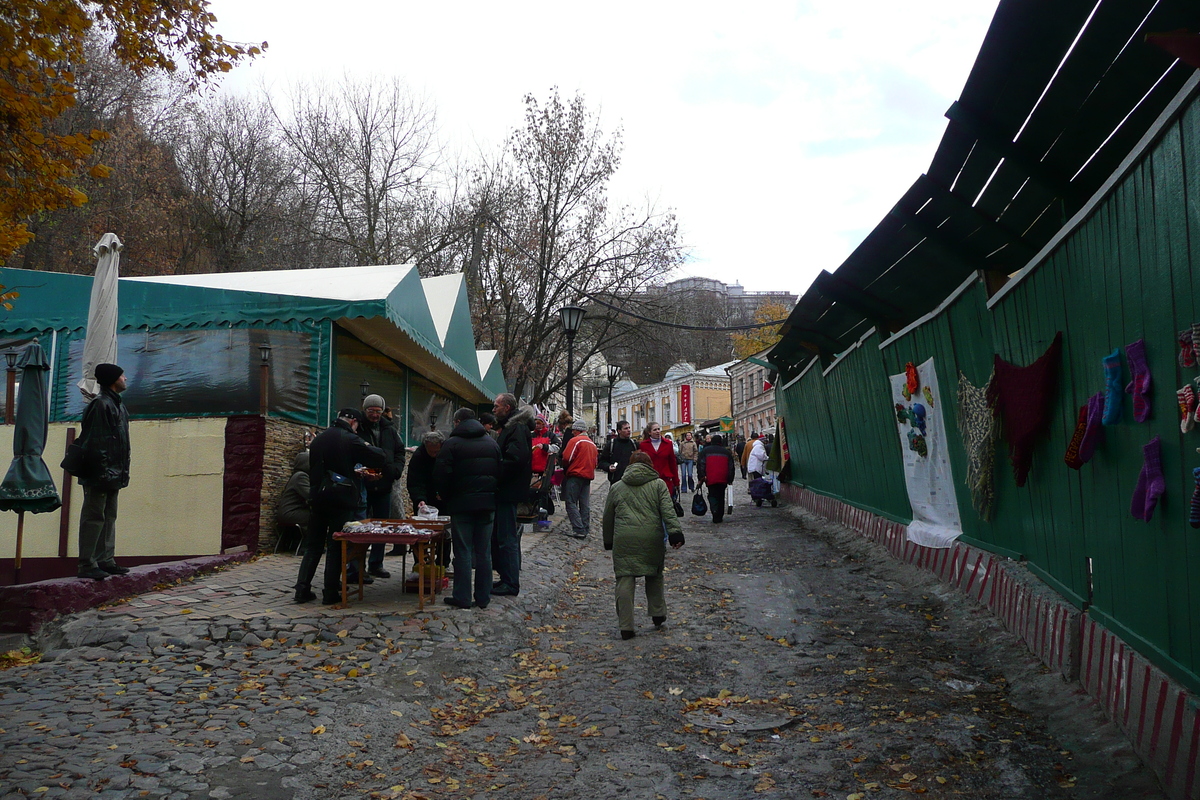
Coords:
pixel 684 397
pixel 752 394
pixel 740 303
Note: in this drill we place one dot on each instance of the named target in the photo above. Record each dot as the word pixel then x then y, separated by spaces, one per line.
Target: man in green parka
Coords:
pixel 638 510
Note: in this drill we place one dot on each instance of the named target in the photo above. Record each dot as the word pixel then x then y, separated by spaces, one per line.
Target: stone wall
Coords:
pixel 283 441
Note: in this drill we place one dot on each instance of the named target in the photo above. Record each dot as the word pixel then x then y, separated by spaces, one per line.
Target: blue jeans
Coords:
pixel 506 542
pixel 472 532
pixel 687 476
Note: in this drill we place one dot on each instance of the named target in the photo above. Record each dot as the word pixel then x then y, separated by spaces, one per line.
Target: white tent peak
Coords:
pixel 441 295
pixel 326 283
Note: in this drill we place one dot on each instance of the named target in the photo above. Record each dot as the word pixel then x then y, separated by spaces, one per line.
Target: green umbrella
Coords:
pixel 28 485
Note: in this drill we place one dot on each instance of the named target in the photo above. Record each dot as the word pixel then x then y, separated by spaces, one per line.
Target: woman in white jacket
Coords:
pixel 756 465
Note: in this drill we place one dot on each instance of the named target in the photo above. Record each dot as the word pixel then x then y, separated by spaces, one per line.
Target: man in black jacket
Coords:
pixel 516 474
pixel 105 440
pixel 338 449
pixel 465 476
pixel 420 472
pixel 379 431
pixel 615 456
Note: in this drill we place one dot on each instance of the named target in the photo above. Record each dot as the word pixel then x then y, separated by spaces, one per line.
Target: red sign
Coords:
pixel 685 403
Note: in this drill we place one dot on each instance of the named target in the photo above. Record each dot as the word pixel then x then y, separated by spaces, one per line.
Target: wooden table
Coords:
pixel 422 547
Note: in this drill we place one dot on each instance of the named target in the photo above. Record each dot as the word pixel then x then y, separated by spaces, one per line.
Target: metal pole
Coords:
pixel 571 373
pixel 264 382
pixel 609 420
pixel 10 399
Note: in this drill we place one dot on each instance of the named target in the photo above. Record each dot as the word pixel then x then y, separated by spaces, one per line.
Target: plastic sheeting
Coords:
pixel 214 372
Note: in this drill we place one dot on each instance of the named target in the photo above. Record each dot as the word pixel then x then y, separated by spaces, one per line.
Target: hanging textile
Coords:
pixel 977 426
pixel 1021 398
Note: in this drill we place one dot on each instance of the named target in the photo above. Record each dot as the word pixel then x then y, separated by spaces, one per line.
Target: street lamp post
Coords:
pixel 572 318
pixel 264 377
pixel 614 372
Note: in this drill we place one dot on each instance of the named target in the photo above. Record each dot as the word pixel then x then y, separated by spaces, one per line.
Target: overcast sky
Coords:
pixel 780 133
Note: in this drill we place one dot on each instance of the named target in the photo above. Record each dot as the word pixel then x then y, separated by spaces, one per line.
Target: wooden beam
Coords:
pixel 880 313
pixel 935 189
pixel 985 131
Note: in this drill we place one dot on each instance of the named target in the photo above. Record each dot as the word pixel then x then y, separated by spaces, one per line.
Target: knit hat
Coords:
pixel 351 413
pixel 107 374
pixel 579 425
pixel 374 400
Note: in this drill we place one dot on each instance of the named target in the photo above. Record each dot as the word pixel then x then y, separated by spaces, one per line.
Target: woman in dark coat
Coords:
pixel 638 507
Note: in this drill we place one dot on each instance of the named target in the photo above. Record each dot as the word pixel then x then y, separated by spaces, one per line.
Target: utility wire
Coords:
pixel 678 325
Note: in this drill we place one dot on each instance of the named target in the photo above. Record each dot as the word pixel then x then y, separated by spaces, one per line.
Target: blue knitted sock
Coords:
pixel 1113 395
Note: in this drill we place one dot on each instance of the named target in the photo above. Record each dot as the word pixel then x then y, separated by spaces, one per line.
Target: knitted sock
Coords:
pixel 1187 408
pixel 1150 482
pixel 1139 385
pixel 1187 349
pixel 912 382
pixel 1194 512
pixel 1072 457
pixel 1094 431
pixel 1112 387
pixel 1196 391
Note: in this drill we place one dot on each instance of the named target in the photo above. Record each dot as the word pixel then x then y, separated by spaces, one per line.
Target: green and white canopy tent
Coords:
pixel 191 343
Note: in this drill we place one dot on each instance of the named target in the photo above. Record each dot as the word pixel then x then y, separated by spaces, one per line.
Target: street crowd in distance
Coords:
pixel 495 473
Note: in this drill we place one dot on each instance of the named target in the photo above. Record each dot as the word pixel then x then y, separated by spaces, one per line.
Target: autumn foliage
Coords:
pixel 747 343
pixel 41 45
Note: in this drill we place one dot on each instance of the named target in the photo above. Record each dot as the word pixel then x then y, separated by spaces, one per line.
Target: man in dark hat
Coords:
pixel 105 441
pixel 336 495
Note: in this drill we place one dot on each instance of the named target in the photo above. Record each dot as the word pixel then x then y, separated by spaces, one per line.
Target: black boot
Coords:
pixel 304 594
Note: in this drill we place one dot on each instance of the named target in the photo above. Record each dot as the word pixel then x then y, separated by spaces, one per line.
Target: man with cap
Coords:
pixel 379 431
pixel 579 461
pixel 336 491
pixel 105 441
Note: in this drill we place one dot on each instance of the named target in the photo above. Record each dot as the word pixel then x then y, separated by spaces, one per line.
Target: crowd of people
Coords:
pixel 495 471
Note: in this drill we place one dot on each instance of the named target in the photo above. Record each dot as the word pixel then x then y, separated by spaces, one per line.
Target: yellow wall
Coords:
pixel 710 403
pixel 172 506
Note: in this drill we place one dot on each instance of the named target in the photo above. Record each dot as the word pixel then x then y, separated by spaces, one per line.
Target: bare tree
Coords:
pixel 245 181
pixel 364 151
pixel 542 235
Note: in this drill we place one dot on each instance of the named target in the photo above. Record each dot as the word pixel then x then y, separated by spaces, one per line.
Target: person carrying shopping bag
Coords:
pixel 638 508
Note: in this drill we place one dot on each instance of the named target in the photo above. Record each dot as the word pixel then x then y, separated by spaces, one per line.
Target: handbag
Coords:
pixel 337 491
pixel 699 507
pixel 678 508
pixel 79 461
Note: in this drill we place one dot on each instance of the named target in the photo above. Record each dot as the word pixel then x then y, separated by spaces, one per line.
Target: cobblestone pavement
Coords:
pixel 796 662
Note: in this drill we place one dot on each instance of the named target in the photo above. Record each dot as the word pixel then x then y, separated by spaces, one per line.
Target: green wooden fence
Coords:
pixel 1126 272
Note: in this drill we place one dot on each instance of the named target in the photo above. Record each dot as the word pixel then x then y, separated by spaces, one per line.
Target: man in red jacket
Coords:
pixel 715 468
pixel 579 459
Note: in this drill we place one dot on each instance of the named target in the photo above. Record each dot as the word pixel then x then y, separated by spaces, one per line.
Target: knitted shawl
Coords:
pixel 1021 397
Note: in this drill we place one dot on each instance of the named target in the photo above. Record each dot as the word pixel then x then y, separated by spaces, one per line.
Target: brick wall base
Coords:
pixel 1158 715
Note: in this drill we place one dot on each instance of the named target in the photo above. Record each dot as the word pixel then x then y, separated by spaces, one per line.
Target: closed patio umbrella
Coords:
pixel 100 345
pixel 28 485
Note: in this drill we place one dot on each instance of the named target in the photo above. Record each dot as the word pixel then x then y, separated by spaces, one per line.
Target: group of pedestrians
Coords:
pixel 475 477
pixel 488 466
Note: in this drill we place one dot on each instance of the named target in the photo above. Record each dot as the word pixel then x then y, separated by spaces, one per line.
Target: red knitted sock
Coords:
pixel 1072 457
pixel 1187 408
